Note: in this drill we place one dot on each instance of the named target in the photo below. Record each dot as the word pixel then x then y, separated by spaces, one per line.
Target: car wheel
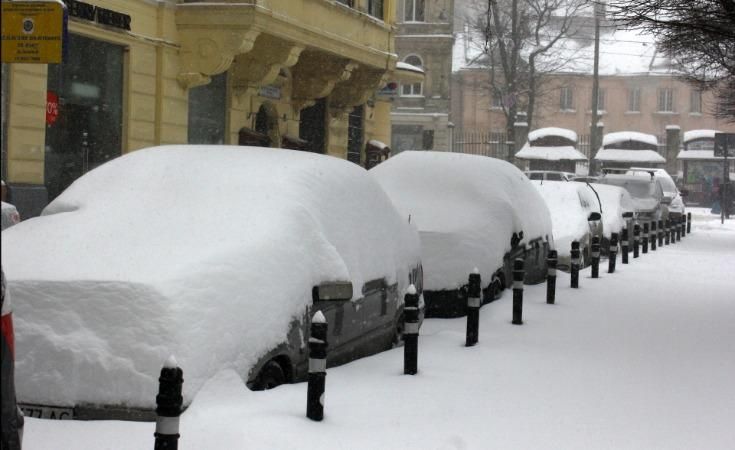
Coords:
pixel 270 376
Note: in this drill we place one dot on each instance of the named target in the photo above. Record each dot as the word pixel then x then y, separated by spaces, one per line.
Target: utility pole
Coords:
pixel 599 8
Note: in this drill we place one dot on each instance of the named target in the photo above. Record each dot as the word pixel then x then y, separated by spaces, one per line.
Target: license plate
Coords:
pixel 47 412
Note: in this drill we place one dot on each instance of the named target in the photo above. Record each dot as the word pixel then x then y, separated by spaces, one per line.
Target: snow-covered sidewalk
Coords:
pixel 640 359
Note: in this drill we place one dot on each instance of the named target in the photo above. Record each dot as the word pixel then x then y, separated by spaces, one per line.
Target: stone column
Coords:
pixel 673 142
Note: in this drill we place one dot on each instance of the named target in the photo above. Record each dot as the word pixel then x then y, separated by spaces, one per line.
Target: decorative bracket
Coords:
pixel 363 84
pixel 315 76
pixel 261 65
pixel 207 52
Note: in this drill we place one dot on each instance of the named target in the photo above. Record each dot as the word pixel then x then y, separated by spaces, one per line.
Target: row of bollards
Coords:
pixel 169 399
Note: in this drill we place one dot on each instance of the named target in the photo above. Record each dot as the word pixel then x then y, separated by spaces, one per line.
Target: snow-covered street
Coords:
pixel 640 359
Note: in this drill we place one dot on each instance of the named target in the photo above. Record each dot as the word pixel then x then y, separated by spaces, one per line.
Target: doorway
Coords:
pixel 313 126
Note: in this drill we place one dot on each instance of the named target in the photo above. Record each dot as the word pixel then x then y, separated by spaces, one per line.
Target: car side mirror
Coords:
pixel 683 192
pixel 628 215
pixel 666 199
pixel 594 216
pixel 332 291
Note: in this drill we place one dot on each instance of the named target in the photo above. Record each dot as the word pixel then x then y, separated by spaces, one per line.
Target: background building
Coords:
pixel 420 114
pixel 640 90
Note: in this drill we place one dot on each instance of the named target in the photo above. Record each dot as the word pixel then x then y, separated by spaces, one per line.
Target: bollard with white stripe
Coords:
pixel 625 245
pixel 654 235
pixel 683 220
pixel 410 331
pixel 689 223
pixel 575 265
pixel 636 239
pixel 518 273
pixel 613 253
pixel 317 367
pixel 646 233
pixel 551 261
pixel 168 406
pixel 595 257
pixel 474 301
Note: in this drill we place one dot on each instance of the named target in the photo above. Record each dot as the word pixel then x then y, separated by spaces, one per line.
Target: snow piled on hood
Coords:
pixel 202 252
pixel 466 208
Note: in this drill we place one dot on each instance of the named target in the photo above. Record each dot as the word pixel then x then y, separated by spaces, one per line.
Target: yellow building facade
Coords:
pixel 137 73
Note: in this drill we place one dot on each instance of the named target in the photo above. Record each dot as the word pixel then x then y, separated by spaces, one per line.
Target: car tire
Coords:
pixel 270 376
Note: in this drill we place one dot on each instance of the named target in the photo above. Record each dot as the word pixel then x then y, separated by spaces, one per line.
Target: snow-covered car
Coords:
pixel 646 192
pixel 615 202
pixel 673 203
pixel 471 212
pixel 575 216
pixel 10 215
pixel 123 270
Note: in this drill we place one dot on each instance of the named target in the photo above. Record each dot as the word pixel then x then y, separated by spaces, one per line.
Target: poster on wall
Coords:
pixel 33 32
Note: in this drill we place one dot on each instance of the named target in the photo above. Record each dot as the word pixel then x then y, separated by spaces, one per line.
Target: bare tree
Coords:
pixel 513 37
pixel 699 35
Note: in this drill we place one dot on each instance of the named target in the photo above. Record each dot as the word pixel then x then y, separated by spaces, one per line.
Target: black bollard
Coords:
pixel 678 229
pixel 474 300
pixel 551 261
pixel 653 235
pixel 689 223
pixel 683 225
pixel 410 331
pixel 317 367
pixel 644 239
pixel 612 255
pixel 595 257
pixel 168 406
pixel 636 239
pixel 660 233
pixel 575 264
pixel 518 273
pixel 667 233
pixel 625 245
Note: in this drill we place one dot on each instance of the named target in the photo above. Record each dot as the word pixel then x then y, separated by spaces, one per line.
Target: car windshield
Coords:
pixel 636 188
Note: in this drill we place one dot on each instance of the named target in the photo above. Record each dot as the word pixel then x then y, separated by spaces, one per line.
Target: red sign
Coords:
pixel 52 107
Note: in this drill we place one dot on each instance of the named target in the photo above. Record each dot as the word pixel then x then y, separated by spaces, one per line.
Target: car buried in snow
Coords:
pixel 575 216
pixel 123 270
pixel 471 212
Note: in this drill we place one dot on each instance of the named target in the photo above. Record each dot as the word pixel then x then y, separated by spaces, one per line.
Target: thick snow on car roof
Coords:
pixel 202 252
pixel 466 208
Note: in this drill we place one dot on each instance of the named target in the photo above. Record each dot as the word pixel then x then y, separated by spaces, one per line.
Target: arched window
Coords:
pixel 412 89
pixel 413 10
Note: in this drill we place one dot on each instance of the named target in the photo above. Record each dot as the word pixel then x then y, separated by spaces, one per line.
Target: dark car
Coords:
pixel 123 270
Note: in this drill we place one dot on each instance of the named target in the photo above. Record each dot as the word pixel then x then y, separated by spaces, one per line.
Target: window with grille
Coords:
pixel 413 10
pixel 634 100
pixel 566 100
pixel 695 101
pixel 412 89
pixel 601 99
pixel 666 100
pixel 497 100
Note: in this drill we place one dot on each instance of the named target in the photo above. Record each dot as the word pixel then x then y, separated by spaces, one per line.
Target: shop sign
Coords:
pixel 270 92
pixel 52 107
pixel 32 32
pixel 102 16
